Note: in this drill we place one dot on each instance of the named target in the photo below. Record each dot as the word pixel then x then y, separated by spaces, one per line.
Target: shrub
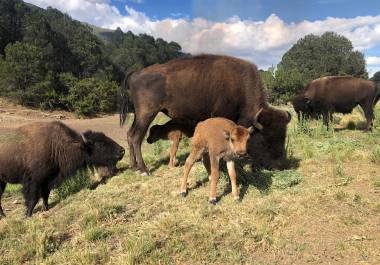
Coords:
pixel 90 96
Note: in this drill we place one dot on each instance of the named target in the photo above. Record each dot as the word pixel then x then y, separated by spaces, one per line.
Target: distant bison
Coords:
pixel 172 131
pixel 200 87
pixel 41 156
pixel 330 94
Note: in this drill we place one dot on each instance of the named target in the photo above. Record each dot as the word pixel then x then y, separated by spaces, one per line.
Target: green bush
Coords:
pixel 90 96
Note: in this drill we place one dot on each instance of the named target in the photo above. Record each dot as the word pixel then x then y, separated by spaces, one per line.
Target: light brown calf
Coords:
pixel 215 139
pixel 172 131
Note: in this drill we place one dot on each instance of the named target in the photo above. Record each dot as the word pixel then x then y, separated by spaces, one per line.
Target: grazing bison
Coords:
pixel 41 156
pixel 215 139
pixel 330 94
pixel 172 131
pixel 196 88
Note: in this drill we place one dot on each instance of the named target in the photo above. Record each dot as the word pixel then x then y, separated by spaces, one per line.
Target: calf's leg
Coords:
pixel 173 150
pixel 195 155
pixel 2 188
pixel 214 176
pixel 232 174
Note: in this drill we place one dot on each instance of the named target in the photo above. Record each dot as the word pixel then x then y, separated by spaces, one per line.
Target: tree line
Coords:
pixel 310 58
pixel 48 60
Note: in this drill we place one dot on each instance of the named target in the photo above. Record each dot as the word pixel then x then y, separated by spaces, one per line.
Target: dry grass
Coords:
pixel 325 211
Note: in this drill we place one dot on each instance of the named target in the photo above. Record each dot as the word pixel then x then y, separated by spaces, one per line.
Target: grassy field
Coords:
pixel 324 210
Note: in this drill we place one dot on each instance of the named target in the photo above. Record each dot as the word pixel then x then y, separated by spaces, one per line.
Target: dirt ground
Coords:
pixel 13 116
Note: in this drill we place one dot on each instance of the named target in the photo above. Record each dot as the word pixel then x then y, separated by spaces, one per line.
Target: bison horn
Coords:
pixel 255 120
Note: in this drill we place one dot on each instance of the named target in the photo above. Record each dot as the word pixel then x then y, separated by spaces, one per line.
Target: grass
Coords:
pixel 322 210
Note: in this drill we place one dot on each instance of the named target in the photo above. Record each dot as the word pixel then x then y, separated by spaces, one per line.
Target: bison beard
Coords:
pixel 196 88
pixel 41 156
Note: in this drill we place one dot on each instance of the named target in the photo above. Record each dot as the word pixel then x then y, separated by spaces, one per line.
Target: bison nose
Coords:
pixel 122 152
pixel 241 153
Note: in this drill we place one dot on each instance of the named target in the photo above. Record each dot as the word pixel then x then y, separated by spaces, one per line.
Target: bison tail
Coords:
pixel 124 99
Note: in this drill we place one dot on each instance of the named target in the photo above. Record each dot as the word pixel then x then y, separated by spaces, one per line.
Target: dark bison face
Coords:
pixel 267 146
pixel 103 151
pixel 302 105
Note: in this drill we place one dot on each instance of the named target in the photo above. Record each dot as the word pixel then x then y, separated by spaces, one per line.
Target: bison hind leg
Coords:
pixel 2 188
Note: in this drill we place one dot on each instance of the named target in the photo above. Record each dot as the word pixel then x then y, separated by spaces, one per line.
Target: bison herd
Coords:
pixel 220 100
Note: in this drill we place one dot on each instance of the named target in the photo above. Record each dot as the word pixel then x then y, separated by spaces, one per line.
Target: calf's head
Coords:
pixel 102 150
pixel 155 134
pixel 238 138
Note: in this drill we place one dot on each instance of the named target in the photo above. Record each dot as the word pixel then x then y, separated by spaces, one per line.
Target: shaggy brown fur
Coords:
pixel 41 156
pixel 172 131
pixel 215 139
pixel 330 94
pixel 196 88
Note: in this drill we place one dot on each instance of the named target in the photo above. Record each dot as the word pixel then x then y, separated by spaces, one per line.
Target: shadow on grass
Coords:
pixel 165 161
pixel 361 125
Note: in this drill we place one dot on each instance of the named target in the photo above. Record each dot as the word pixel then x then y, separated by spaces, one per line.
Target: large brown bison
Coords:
pixel 196 88
pixel 330 94
pixel 41 156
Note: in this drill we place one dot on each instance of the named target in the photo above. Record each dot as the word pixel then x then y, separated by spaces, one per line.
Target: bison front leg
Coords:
pixel 2 188
pixel 45 192
pixel 369 116
pixel 32 192
pixel 214 176
pixel 232 174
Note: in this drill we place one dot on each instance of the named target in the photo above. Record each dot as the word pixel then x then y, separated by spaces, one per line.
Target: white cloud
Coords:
pixel 263 42
pixel 373 60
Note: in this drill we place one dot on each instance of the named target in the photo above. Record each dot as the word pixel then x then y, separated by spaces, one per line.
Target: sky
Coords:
pixel 260 31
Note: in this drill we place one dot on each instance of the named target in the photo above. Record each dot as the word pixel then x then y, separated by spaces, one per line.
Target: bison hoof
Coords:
pixel 212 201
pixel 144 173
pixel 183 194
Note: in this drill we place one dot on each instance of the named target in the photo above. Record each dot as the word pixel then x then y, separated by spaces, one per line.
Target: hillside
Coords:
pixel 50 61
pixel 325 209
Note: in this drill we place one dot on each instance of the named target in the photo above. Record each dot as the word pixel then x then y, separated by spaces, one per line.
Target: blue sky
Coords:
pixel 260 31
pixel 288 10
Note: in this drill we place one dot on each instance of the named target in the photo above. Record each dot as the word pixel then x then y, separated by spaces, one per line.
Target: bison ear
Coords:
pixel 289 116
pixel 89 143
pixel 251 130
pixel 226 135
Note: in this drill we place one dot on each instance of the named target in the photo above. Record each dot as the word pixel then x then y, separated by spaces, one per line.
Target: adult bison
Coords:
pixel 196 88
pixel 330 94
pixel 41 156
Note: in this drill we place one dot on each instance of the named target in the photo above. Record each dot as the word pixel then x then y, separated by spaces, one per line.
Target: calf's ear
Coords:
pixel 226 134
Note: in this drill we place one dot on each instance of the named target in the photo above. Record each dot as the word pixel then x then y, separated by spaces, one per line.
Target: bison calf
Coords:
pixel 215 139
pixel 41 156
pixel 172 131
